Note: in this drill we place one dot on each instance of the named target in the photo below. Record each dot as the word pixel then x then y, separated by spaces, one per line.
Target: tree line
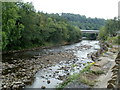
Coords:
pixel 83 22
pixel 23 27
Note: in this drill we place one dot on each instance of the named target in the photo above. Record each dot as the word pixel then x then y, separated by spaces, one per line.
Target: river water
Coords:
pixel 54 75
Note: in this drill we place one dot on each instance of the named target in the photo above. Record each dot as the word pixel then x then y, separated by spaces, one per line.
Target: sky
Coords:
pixel 107 9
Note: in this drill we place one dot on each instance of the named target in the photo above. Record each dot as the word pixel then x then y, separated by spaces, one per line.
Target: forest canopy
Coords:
pixel 23 27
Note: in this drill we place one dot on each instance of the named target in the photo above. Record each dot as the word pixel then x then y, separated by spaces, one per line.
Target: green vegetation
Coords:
pixel 82 77
pixel 83 22
pixel 72 77
pixel 113 40
pixel 86 69
pixel 85 80
pixel 0 27
pixel 108 32
pixel 98 72
pixel 68 80
pixel 23 27
pixel 90 36
pixel 74 65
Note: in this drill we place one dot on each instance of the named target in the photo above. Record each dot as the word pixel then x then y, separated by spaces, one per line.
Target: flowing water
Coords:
pixel 52 76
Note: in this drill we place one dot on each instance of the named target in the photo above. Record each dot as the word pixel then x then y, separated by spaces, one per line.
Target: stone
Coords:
pixel 115 70
pixel 4 86
pixel 49 75
pixel 117 62
pixel 99 59
pixel 97 65
pixel 42 77
pixel 112 81
pixel 43 87
pixel 115 67
pixel 115 77
pixel 61 77
pixel 15 86
pixel 110 86
pixel 56 71
pixel 68 73
pixel 48 60
pixel 48 81
pixel 94 68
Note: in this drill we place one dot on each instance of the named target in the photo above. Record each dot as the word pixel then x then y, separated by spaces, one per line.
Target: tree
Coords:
pixel 102 34
pixel 23 27
pixel 11 29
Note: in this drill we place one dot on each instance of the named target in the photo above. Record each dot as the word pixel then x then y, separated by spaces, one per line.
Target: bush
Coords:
pixel 114 40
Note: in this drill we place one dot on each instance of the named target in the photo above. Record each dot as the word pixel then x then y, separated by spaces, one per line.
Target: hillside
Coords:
pixel 83 22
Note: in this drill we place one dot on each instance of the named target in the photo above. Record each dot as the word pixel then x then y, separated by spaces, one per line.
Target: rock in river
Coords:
pixel 43 87
pixel 48 82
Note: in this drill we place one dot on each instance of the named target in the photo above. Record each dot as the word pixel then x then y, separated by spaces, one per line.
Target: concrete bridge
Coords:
pixel 90 31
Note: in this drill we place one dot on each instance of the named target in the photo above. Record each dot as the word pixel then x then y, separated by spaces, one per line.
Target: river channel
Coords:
pixel 55 74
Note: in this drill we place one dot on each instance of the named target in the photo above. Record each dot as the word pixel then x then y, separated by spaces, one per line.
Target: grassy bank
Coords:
pixel 84 76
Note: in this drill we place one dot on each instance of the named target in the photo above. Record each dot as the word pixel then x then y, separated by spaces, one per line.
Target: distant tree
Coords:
pixel 84 23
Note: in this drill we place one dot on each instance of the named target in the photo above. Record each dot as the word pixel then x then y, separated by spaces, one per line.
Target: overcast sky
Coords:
pixel 91 8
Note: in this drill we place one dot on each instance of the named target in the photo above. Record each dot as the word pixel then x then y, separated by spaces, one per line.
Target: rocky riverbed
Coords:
pixel 18 73
pixel 21 72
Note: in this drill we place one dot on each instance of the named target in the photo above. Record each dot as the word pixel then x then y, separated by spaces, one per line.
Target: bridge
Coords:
pixel 92 34
pixel 90 31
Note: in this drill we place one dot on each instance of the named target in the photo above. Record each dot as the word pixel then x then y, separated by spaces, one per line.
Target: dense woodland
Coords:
pixel 83 22
pixel 23 27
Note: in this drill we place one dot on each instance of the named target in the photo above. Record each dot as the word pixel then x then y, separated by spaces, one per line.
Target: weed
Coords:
pixel 85 80
pixel 79 77
pixel 68 80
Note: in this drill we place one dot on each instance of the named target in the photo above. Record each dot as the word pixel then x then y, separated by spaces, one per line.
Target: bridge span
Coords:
pixel 90 31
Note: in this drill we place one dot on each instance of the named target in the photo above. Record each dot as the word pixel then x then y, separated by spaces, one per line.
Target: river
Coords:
pixel 53 75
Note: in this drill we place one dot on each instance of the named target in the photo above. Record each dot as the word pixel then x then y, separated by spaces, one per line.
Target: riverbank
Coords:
pixel 48 46
pixel 96 76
